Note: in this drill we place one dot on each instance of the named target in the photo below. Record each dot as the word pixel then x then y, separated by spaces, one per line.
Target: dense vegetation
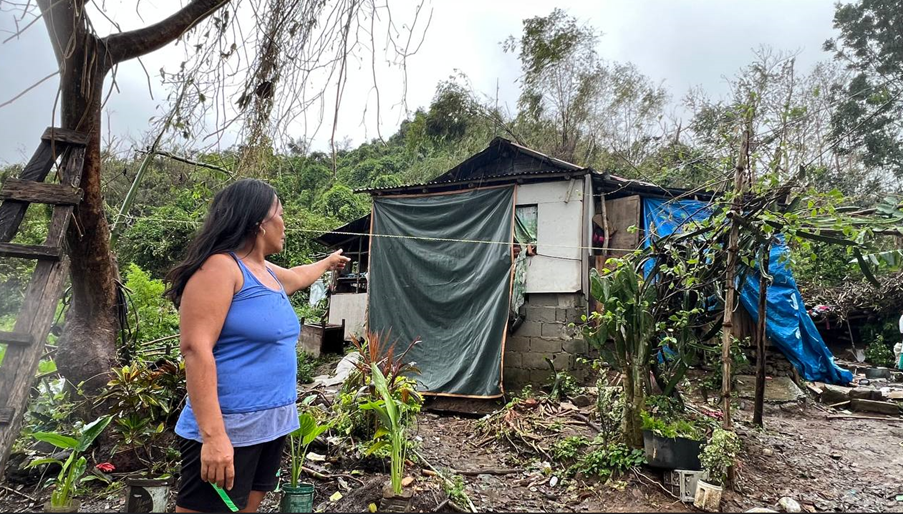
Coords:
pixel 835 128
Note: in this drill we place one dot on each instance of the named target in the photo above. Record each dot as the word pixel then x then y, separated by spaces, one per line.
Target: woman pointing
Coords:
pixel 238 337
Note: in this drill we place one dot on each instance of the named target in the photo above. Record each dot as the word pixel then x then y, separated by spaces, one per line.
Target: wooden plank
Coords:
pixel 20 363
pixel 11 211
pixel 11 338
pixel 30 251
pixel 622 214
pixel 72 168
pixel 59 222
pixel 39 192
pixel 875 406
pixel 61 135
pixel 759 404
pixel 853 416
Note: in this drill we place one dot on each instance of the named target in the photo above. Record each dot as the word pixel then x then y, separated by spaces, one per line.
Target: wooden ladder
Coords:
pixel 25 344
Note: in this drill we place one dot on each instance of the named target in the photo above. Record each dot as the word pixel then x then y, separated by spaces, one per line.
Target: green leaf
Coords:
pixel 826 239
pixel 91 431
pixel 311 436
pixel 379 381
pixel 58 440
pixel 40 462
pixel 866 270
pixel 375 447
pixel 306 423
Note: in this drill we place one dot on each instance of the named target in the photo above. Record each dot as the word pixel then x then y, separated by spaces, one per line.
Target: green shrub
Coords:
pixel 719 454
pixel 307 363
pixel 879 353
pixel 143 401
pixel 606 461
pixel 671 429
pixel 562 384
pixel 156 316
pixel 569 448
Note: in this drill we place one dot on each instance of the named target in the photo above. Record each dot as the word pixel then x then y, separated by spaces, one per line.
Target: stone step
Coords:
pixel 875 406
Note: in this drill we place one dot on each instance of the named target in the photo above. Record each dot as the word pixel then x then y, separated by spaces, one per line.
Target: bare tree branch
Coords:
pixel 29 88
pixel 135 43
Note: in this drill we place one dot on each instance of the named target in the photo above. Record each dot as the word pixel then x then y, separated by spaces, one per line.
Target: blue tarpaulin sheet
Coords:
pixel 787 325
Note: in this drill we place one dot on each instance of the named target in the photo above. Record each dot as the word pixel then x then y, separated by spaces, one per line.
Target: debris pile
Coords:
pixel 874 390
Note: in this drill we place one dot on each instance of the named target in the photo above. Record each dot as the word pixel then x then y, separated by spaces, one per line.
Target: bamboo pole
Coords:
pixel 606 232
pixel 139 176
pixel 727 330
pixel 760 336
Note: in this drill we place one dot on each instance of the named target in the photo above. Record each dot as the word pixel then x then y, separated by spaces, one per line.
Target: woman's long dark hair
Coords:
pixel 234 216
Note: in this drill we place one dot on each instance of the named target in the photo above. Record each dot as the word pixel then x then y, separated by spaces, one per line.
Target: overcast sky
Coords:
pixel 680 43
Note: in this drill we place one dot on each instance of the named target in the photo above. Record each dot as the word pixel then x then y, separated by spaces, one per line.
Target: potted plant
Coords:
pixel 297 496
pixel 72 470
pixel 390 411
pixel 671 445
pixel 717 458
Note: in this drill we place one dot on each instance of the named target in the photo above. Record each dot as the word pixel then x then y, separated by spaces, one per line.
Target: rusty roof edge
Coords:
pixel 551 174
pixel 539 155
pixel 496 141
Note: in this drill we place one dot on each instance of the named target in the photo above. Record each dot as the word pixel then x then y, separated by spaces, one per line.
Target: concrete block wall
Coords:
pixel 545 334
pixel 776 363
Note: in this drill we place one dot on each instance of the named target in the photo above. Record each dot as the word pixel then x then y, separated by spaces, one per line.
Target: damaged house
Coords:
pixel 434 262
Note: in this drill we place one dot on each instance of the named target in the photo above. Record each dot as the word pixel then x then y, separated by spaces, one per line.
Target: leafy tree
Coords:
pixel 867 122
pixel 158 241
pixel 560 77
pixel 341 202
pixel 156 316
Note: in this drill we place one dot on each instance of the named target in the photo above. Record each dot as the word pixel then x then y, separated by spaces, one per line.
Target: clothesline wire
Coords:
pixel 396 236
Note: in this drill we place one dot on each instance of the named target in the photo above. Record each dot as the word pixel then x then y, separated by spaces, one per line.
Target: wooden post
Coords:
pixel 760 336
pixel 606 231
pixel 727 331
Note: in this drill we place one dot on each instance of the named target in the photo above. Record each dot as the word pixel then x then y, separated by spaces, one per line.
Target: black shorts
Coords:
pixel 255 470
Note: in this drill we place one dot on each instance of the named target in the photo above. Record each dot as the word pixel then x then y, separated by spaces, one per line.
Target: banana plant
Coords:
pixel 300 440
pixel 390 412
pixel 626 302
pixel 74 467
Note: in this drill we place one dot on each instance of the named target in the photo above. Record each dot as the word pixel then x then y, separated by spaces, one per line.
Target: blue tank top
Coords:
pixel 255 355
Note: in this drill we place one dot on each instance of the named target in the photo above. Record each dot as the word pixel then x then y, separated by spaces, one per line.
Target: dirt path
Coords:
pixel 829 465
pixel 528 490
pixel 826 465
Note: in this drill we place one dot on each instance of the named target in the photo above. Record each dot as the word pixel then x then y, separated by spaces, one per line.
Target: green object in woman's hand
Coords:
pixel 225 497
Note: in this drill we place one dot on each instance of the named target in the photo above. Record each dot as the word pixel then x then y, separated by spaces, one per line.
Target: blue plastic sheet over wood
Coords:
pixel 453 295
pixel 787 323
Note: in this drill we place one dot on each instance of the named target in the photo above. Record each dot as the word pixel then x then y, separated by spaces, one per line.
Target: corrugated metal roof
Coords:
pixel 477 169
pixel 462 173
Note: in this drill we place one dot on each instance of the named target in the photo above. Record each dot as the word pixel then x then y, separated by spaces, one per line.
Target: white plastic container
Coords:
pixel 708 496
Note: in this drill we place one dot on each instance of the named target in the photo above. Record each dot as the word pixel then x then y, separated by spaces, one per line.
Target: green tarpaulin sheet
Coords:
pixel 452 295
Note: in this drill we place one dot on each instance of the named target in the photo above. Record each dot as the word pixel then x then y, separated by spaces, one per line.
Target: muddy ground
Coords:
pixel 827 465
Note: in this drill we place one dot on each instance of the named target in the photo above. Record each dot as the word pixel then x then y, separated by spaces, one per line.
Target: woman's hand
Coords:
pixel 217 463
pixel 337 261
pixel 301 277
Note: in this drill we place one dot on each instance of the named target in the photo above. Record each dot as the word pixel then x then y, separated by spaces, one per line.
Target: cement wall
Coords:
pixel 545 334
pixel 353 309
pixel 560 222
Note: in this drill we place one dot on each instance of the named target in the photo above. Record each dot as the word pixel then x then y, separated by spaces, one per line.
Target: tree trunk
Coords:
pixel 87 348
pixel 759 406
pixel 634 402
